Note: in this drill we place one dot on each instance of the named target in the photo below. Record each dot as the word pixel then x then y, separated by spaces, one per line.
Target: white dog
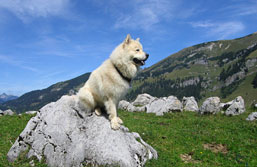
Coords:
pixel 111 81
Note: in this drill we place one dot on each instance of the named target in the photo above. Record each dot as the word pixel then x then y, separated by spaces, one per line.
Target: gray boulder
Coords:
pixel 210 106
pixel 190 104
pixel 8 112
pixel 143 99
pixel 125 105
pixel 252 116
pixel 67 136
pixel 163 105
pixel 237 107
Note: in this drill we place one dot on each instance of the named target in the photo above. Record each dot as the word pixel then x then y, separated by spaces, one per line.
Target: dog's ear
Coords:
pixel 128 39
pixel 137 39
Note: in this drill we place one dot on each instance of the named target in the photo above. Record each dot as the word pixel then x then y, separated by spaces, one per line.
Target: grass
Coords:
pixel 172 135
pixel 175 134
pixel 10 128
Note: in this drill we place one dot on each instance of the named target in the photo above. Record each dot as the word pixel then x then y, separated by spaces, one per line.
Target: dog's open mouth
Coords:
pixel 139 62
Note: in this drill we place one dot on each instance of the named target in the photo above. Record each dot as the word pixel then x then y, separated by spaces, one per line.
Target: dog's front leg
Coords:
pixel 111 110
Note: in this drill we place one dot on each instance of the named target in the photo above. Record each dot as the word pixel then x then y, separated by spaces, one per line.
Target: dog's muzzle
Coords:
pixel 140 62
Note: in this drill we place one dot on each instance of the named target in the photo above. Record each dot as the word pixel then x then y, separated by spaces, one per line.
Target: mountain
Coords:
pixel 34 100
pixel 4 97
pixel 225 68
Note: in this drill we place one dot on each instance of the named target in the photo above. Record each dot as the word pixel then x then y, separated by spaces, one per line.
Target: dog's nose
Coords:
pixel 147 55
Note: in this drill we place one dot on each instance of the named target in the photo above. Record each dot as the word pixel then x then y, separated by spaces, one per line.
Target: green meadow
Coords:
pixel 181 139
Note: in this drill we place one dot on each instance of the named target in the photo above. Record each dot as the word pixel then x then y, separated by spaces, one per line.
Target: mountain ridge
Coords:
pixel 224 68
pixel 4 97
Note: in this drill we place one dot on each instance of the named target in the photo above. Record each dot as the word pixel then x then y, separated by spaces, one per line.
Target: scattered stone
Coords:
pixel 65 135
pixel 225 106
pixel 252 116
pixel 31 163
pixel 237 107
pixel 143 99
pixel 31 112
pixel 8 112
pixel 190 104
pixel 163 105
pixel 125 105
pixel 210 106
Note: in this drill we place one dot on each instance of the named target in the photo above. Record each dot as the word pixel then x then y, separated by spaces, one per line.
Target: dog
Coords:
pixel 110 81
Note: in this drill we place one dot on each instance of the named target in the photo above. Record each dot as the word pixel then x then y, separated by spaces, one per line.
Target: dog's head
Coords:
pixel 134 51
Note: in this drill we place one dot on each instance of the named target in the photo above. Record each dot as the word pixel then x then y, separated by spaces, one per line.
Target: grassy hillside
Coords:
pixel 220 68
pixel 181 139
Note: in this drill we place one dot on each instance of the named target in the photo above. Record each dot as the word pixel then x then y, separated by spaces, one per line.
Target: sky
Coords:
pixel 43 42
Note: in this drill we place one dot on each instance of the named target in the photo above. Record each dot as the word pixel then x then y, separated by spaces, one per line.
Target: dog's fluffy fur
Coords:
pixel 111 81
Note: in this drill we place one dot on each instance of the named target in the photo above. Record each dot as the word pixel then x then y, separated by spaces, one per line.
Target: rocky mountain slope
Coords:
pixel 225 68
pixel 4 97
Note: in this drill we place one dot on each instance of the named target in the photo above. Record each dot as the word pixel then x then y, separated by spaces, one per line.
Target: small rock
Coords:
pixel 252 116
pixel 32 163
pixel 210 106
pixel 125 105
pixel 8 112
pixel 163 105
pixel 31 112
pixel 237 107
pixel 190 104
pixel 143 99
pixel 225 106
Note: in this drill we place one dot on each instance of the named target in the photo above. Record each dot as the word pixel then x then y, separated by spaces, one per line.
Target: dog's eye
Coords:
pixel 138 50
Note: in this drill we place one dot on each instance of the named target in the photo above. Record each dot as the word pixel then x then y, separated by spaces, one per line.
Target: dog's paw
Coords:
pixel 115 123
pixel 98 111
pixel 119 120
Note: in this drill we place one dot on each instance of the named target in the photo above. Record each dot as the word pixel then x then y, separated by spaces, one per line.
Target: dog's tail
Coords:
pixel 86 99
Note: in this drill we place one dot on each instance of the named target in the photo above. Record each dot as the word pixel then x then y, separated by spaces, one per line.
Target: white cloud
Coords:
pixel 26 9
pixel 16 63
pixel 221 30
pixel 144 14
pixel 243 8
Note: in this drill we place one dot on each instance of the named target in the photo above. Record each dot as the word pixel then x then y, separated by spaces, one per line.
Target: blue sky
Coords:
pixel 46 41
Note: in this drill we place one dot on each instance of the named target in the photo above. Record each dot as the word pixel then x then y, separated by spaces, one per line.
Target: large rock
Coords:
pixel 210 106
pixel 125 105
pixel 252 116
pixel 190 104
pixel 68 136
pixel 143 99
pixel 163 105
pixel 237 107
pixel 8 112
